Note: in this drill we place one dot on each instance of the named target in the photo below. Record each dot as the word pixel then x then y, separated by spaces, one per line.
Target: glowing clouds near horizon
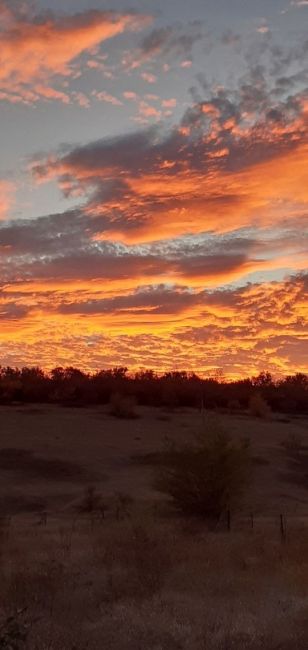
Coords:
pixel 186 245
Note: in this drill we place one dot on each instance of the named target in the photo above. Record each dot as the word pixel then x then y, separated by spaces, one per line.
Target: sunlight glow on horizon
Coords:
pixel 181 242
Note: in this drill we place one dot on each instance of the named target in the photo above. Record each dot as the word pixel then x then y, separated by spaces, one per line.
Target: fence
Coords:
pixel 278 524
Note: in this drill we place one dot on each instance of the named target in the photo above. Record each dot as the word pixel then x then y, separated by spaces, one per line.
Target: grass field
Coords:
pixel 49 454
pixel 142 578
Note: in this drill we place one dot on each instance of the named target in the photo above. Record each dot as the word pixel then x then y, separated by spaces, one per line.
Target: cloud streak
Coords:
pixel 6 197
pixel 169 43
pixel 38 53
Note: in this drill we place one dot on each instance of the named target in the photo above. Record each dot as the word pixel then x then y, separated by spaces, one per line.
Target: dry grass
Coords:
pixel 50 456
pixel 26 463
pixel 148 583
pixel 140 578
pixel 293 445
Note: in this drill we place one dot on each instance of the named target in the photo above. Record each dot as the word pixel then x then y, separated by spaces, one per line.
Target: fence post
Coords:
pixel 229 520
pixel 202 410
pixel 283 528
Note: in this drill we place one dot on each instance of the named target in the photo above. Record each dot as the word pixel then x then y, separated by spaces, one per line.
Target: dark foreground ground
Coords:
pixel 49 454
pixel 141 578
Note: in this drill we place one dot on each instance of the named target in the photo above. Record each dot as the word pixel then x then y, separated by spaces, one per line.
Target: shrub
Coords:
pixel 234 405
pixel 136 560
pixel 293 444
pixel 151 559
pixel 258 407
pixel 123 407
pixel 205 477
pixel 13 632
pixel 123 504
pixel 91 500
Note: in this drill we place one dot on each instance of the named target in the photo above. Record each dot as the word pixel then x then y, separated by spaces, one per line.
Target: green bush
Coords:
pixel 206 477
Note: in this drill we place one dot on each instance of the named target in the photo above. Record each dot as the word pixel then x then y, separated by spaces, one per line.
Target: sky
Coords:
pixel 154 185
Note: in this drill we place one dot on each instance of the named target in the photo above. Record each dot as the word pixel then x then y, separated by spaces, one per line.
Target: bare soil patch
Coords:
pixel 51 453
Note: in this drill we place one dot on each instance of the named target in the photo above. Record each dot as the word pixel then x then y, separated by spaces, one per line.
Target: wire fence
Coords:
pixel 281 525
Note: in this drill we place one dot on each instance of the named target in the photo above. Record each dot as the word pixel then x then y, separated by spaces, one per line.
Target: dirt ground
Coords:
pixel 50 454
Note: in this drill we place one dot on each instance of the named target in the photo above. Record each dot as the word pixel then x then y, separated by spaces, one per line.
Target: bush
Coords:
pixel 91 500
pixel 206 477
pixel 123 504
pixel 258 407
pixel 293 444
pixel 234 405
pixel 13 632
pixel 123 407
pixel 136 560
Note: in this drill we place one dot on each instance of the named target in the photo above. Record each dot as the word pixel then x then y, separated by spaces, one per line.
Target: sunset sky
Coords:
pixel 154 185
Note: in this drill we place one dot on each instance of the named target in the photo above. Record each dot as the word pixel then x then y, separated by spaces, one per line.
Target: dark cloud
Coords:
pixel 258 306
pixel 62 247
pixel 177 41
pixel 49 235
pixel 16 10
pixel 156 300
pixel 231 38
pixel 11 311
pixel 282 58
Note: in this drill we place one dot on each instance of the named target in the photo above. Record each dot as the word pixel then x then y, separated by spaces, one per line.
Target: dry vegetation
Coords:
pixel 123 407
pixel 92 557
pixel 258 407
pixel 147 583
pixel 205 476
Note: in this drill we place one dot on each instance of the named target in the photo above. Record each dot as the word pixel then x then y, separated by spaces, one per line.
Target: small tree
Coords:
pixel 91 500
pixel 258 407
pixel 293 445
pixel 205 477
pixel 123 407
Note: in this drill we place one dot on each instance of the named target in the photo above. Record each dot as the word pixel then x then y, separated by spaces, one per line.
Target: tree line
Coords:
pixel 71 386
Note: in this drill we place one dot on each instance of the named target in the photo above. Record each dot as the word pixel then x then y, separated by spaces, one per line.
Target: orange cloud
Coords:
pixel 241 330
pixel 102 96
pixel 132 275
pixel 6 191
pixel 149 77
pixel 222 168
pixel 169 103
pixel 34 52
pixel 175 198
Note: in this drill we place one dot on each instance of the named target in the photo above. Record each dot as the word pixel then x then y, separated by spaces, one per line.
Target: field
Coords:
pixel 49 454
pixel 136 576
